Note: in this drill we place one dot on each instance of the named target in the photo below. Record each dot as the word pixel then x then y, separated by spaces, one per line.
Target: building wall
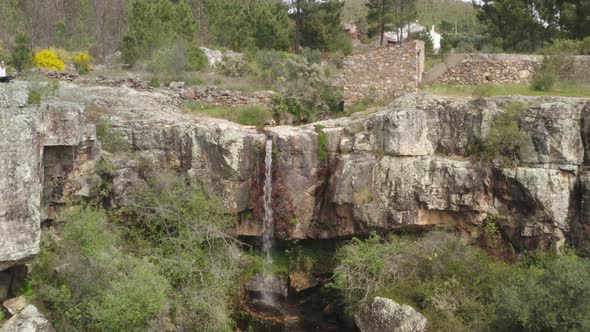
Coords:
pixel 383 73
pixel 479 69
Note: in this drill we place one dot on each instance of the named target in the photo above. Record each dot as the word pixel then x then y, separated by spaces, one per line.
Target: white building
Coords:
pixel 392 36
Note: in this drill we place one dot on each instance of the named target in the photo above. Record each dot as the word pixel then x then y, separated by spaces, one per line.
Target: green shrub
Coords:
pixel 196 58
pixel 543 80
pixel 21 55
pixel 233 67
pixel 438 274
pixel 155 82
pixel 83 62
pixel 48 59
pixel 153 24
pixel 555 297
pixel 505 140
pixel 312 56
pixel 322 143
pixel 585 46
pixel 91 285
pixel 187 235
pixel 132 299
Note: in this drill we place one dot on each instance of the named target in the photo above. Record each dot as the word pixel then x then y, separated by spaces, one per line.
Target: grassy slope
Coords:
pixel 560 89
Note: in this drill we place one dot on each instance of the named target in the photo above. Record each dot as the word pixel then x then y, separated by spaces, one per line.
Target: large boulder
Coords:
pixel 385 315
pixel 28 319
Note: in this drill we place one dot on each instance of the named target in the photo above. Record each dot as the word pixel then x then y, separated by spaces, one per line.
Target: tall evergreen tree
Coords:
pixel 152 22
pixel 318 25
pixel 380 16
pixel 246 24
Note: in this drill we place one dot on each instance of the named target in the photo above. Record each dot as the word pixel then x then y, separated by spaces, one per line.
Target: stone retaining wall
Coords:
pixel 386 72
pixel 478 69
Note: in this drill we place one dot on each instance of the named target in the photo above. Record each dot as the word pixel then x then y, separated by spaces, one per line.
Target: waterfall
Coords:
pixel 268 226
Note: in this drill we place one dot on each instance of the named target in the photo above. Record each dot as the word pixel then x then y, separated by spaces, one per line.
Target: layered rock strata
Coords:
pixel 403 167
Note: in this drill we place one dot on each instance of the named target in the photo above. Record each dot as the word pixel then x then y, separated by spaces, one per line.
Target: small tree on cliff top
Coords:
pixel 21 52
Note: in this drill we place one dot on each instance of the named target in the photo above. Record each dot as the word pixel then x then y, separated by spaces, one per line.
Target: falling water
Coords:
pixel 268 226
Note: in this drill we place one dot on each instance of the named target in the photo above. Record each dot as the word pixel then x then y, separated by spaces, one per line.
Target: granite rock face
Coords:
pixel 20 175
pixel 28 319
pixel 401 167
pixel 385 315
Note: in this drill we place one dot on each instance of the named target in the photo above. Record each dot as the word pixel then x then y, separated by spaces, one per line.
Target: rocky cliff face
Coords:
pixel 403 167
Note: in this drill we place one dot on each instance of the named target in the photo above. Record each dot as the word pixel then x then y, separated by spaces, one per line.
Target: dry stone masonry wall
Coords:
pixel 479 69
pixel 385 72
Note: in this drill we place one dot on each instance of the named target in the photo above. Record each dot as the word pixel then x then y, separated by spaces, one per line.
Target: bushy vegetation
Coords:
pixel 153 24
pixel 89 283
pixel 322 143
pixel 518 25
pixel 83 62
pixel 304 89
pixel 48 59
pixel 21 55
pixel 543 80
pixel 173 59
pixel 164 264
pixel 186 233
pixel 460 288
pixel 233 67
pixel 505 141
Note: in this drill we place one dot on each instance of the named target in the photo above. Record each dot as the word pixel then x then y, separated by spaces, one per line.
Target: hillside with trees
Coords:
pixel 198 165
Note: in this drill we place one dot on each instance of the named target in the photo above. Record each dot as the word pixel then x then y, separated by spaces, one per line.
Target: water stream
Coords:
pixel 268 228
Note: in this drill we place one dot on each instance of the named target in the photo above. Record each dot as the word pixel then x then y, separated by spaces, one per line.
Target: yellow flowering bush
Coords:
pixel 49 60
pixel 63 54
pixel 83 62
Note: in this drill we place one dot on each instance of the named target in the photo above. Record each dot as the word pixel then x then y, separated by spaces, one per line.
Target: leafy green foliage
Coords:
pixel 543 80
pixel 90 284
pixel 152 23
pixel 505 140
pixel 322 143
pixel 186 230
pixel 249 24
pixel 553 297
pixel 155 82
pixel 387 15
pixel 174 58
pixel 306 91
pixel 520 25
pixel 233 67
pixel 196 58
pixel 21 55
pixel 319 25
pixel 34 97
pixel 460 288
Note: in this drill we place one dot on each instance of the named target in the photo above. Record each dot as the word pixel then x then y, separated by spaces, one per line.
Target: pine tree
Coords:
pixel 380 16
pixel 21 52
